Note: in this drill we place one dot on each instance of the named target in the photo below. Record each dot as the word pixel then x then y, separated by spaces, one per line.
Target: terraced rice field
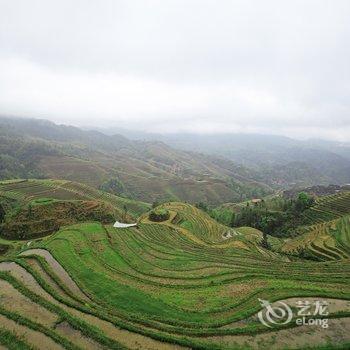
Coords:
pixel 171 285
pixel 328 208
pixel 328 236
pixel 26 191
pixel 325 241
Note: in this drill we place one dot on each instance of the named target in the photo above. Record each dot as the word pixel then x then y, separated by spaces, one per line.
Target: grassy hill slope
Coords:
pixel 33 208
pixel 326 233
pixel 166 285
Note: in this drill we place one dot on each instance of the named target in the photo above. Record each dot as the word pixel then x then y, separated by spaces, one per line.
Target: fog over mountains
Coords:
pixel 267 67
pixel 207 168
pixel 278 159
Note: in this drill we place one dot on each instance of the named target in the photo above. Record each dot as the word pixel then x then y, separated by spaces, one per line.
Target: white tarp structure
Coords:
pixel 121 225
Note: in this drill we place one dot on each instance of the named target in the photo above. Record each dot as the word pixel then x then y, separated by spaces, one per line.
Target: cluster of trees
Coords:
pixel 2 214
pixel 18 156
pixel 277 217
pixel 159 215
pixel 220 214
pixel 113 185
pixel 247 191
pixel 279 223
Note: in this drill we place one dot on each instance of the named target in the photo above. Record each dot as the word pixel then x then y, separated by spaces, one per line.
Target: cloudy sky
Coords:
pixel 205 66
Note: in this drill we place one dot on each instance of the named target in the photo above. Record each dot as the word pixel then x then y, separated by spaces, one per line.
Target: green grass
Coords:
pixel 36 208
pixel 87 330
pixel 179 280
pixel 99 262
pixel 328 208
pixel 12 342
pixel 46 191
pixel 42 201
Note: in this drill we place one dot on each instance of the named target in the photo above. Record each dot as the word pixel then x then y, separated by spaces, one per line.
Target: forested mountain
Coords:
pixel 145 170
pixel 279 161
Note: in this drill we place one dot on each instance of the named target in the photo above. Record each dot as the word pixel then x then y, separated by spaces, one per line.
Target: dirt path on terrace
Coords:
pixel 27 279
pixel 35 265
pixel 129 339
pixel 12 300
pixel 76 337
pixel 59 270
pixel 300 337
pixel 338 331
pixel 34 338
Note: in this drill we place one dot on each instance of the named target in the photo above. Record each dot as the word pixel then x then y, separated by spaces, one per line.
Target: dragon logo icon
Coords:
pixel 279 314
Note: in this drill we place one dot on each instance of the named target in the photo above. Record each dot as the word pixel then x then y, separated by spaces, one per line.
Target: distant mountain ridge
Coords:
pixel 277 160
pixel 144 170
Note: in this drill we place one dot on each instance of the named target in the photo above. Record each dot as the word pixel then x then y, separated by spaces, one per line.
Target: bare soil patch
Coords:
pixel 129 339
pixel 294 338
pixel 59 270
pixel 125 337
pixel 27 279
pixel 37 267
pixel 76 337
pixel 34 338
pixel 11 299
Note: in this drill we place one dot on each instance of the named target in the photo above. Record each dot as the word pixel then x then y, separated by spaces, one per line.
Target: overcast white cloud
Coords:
pixel 180 65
